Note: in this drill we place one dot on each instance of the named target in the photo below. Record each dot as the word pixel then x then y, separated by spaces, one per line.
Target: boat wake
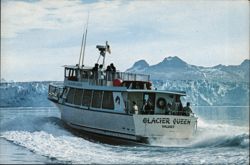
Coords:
pixel 47 136
pixel 211 135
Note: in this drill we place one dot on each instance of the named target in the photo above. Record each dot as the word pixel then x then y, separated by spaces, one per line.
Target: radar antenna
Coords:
pixel 103 50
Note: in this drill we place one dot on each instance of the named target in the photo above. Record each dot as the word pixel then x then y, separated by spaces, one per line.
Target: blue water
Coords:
pixel 37 135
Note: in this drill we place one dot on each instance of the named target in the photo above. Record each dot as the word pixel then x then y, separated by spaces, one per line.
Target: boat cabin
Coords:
pixel 120 101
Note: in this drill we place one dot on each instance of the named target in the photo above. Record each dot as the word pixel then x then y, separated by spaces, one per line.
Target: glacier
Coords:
pixel 24 94
pixel 199 92
pixel 205 86
pixel 208 93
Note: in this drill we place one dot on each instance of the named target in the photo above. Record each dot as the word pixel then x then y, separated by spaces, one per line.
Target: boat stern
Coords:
pixel 169 126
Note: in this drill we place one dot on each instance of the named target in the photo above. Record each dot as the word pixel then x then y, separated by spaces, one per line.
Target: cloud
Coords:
pixel 21 16
pixel 193 30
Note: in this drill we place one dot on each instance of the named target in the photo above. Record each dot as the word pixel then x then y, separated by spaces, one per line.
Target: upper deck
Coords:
pixel 106 78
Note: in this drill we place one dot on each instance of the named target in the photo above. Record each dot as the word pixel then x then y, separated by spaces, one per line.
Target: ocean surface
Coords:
pixel 38 136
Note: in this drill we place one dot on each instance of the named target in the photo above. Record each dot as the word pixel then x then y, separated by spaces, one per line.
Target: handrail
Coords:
pixel 102 77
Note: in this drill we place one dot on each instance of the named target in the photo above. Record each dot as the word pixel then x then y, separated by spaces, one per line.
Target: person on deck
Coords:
pixel 100 75
pixel 148 108
pixel 108 73
pixel 135 108
pixel 113 68
pixel 168 109
pixel 108 68
pixel 95 71
pixel 95 68
pixel 187 110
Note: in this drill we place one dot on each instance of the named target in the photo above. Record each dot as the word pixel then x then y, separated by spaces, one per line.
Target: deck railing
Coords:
pixel 103 77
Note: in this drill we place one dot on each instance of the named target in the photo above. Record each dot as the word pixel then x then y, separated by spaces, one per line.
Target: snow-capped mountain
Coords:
pixel 173 68
pixel 218 85
pixel 140 65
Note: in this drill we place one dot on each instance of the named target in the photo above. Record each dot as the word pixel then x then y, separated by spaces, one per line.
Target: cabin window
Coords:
pixel 70 96
pixel 66 73
pixel 108 101
pixel 97 98
pixel 78 96
pixel 87 94
pixel 52 89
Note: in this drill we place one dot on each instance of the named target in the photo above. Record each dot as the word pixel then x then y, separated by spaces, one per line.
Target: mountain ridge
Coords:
pixel 174 68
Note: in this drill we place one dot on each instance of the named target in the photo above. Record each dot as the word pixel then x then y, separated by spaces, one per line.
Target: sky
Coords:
pixel 39 37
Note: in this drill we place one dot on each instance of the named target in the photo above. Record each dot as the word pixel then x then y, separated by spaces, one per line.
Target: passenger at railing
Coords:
pixel 168 109
pixel 95 71
pixel 95 68
pixel 187 110
pixel 174 108
pixel 148 108
pixel 108 73
pixel 108 68
pixel 180 109
pixel 135 108
pixel 100 74
pixel 113 68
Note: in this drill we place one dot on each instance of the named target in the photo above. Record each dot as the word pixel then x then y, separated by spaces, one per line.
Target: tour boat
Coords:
pixel 118 104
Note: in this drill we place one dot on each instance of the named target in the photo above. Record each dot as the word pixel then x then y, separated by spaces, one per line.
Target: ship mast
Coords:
pixel 83 45
pixel 80 57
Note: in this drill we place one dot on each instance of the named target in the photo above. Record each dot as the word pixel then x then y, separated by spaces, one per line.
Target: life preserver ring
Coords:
pixel 117 82
pixel 161 103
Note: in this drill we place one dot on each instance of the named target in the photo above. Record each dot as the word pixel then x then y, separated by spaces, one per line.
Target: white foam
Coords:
pixel 67 148
pixel 209 135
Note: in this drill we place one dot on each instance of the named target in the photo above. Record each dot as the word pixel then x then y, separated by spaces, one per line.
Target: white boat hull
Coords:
pixel 130 127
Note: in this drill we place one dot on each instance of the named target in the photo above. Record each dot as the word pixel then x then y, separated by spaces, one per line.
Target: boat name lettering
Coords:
pixel 166 121
pixel 167 126
pixel 181 121
pixel 156 120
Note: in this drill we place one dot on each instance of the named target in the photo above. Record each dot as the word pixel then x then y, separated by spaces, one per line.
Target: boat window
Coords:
pixel 70 96
pixel 87 94
pixel 66 72
pixel 78 96
pixel 108 102
pixel 97 97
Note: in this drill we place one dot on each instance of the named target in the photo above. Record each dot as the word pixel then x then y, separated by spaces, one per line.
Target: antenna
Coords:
pixel 85 38
pixel 80 57
pixel 82 51
pixel 103 50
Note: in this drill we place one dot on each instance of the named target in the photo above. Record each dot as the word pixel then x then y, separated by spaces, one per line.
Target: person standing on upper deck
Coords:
pixel 95 72
pixel 108 73
pixel 113 68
